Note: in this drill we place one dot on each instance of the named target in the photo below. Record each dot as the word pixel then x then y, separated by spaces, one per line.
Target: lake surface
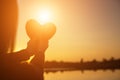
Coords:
pixel 83 75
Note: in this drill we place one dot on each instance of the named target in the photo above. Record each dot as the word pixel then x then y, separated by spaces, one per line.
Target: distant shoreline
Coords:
pixel 111 64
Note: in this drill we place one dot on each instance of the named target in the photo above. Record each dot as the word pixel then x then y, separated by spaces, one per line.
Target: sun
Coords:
pixel 44 16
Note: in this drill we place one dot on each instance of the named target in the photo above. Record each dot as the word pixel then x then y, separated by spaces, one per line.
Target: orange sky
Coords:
pixel 85 29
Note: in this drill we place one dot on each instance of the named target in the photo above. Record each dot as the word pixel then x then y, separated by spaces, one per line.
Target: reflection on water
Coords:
pixel 83 75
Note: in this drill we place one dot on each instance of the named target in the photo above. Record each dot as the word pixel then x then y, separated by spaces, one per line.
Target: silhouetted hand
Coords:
pixel 36 46
pixel 39 35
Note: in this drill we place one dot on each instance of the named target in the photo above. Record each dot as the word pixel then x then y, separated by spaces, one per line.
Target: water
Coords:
pixel 83 75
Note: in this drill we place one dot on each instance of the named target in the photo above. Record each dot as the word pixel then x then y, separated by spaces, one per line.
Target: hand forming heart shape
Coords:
pixel 35 30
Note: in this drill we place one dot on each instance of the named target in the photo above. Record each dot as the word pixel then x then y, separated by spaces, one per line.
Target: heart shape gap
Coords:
pixel 37 31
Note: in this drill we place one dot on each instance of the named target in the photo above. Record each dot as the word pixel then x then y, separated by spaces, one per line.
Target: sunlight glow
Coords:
pixel 44 16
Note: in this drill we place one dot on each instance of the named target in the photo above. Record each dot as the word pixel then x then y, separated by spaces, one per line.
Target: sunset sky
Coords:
pixel 88 29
